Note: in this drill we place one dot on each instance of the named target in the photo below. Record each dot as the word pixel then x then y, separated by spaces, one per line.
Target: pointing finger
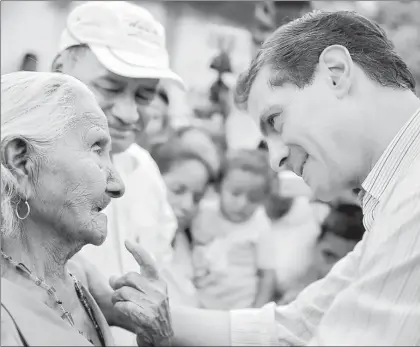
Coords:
pixel 144 259
pixel 133 280
pixel 112 281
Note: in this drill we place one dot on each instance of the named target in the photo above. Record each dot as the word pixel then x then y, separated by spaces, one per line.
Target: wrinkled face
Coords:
pixel 186 182
pixel 77 180
pixel 309 130
pixel 329 250
pixel 122 99
pixel 241 193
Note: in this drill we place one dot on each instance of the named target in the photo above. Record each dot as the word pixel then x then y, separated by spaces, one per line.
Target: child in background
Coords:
pixel 340 232
pixel 231 267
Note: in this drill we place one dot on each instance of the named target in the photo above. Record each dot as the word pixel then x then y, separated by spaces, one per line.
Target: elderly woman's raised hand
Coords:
pixel 141 302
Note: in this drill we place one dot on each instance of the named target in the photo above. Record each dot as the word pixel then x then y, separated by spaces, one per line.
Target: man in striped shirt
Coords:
pixel 336 104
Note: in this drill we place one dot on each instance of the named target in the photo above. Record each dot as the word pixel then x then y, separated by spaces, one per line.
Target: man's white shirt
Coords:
pixel 372 296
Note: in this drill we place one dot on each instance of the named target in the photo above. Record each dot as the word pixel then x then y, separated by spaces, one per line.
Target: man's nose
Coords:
pixel 125 109
pixel 115 185
pixel 279 153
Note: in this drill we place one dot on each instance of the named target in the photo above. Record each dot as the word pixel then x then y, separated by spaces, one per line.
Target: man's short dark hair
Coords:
pixel 344 220
pixel 293 52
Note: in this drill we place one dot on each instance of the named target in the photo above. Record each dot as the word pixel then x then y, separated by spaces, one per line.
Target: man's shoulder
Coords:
pixel 144 164
pixel 409 182
pixel 403 198
pixel 142 156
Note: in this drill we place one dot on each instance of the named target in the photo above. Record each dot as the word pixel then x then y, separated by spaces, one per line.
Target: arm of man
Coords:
pixel 291 325
pixel 266 264
pixel 266 287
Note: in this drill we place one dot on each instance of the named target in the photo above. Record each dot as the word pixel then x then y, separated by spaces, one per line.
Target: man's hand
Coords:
pixel 141 301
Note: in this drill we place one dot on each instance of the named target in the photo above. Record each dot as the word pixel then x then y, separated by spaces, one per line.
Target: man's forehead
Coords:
pixel 259 94
pixel 97 70
pixel 144 82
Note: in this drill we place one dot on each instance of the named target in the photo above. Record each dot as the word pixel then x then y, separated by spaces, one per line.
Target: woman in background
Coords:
pixel 187 176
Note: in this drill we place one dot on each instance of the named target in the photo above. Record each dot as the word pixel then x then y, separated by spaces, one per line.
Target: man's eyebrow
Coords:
pixel 152 90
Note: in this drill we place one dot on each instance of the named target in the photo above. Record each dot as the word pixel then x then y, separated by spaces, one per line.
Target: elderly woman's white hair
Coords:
pixel 37 108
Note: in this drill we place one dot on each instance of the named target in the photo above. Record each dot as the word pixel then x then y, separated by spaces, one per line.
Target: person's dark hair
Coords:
pixel 185 129
pixel 179 134
pixel 344 220
pixel 172 152
pixel 29 62
pixel 277 206
pixel 71 54
pixel 293 52
pixel 251 160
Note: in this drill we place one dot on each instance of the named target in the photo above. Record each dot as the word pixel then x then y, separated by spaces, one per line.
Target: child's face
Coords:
pixel 186 182
pixel 241 193
pixel 329 250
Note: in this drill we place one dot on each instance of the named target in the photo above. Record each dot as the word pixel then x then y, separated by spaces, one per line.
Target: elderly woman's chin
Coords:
pixel 97 233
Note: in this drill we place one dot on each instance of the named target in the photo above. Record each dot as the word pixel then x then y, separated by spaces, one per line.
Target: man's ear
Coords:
pixel 337 66
pixel 16 157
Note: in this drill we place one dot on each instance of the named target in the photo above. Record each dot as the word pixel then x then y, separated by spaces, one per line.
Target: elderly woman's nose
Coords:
pixel 115 185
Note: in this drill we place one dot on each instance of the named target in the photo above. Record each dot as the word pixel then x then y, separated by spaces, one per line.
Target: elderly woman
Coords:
pixel 56 178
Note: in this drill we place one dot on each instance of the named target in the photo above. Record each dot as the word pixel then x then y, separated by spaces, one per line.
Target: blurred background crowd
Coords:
pixel 246 235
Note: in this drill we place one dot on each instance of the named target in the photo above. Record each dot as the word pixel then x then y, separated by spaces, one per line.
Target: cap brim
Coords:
pixel 122 68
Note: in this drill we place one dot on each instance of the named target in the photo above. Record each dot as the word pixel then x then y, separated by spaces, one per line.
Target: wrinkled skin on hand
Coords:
pixel 141 301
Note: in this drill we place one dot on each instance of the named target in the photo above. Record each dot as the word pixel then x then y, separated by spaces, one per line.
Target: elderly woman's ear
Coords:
pixel 16 157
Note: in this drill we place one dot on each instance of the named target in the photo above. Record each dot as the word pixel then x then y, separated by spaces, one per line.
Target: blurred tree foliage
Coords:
pixel 400 19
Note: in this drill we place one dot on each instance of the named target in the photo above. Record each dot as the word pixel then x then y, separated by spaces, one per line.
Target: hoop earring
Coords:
pixel 27 212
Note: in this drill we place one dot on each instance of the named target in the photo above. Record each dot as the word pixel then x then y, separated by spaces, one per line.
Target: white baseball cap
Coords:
pixel 124 37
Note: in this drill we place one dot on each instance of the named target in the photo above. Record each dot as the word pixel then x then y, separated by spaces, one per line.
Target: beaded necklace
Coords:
pixel 65 315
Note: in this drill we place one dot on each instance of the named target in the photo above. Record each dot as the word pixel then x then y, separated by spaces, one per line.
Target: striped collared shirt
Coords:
pixel 372 296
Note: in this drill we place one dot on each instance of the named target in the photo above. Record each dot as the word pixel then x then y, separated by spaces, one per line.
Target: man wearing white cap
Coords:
pixel 118 50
